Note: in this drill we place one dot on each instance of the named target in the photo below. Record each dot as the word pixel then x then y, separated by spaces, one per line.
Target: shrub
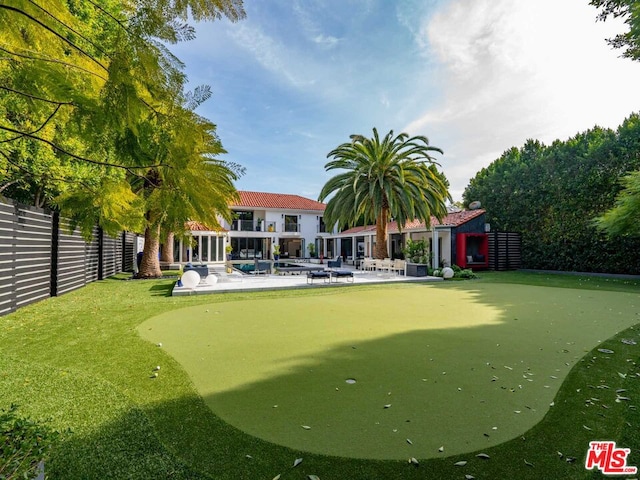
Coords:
pixel 416 251
pixel 23 444
pixel 466 273
pixel 459 273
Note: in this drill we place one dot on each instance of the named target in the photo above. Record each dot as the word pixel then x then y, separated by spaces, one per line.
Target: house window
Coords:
pixel 322 228
pixel 243 221
pixel 291 223
pixel 176 249
pixel 248 248
pixel 291 247
pixel 218 252
pixel 204 248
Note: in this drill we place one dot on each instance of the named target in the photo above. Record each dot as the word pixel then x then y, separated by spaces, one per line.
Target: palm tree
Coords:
pixel 393 178
pixel 194 185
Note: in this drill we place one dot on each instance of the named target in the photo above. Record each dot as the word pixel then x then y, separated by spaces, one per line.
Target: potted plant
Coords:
pixel 228 249
pixel 312 250
pixel 276 252
pixel 417 256
pixel 259 225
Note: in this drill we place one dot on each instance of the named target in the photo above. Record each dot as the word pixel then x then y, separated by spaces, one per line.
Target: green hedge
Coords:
pixel 552 194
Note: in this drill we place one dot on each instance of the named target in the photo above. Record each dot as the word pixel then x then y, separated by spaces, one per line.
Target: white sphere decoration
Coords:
pixel 211 280
pixel 447 272
pixel 190 279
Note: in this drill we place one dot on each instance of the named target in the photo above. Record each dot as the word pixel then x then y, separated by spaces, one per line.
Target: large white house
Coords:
pixel 261 221
pixel 459 238
pixel 264 220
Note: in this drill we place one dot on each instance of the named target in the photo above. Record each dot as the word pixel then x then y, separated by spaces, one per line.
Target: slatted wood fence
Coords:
pixel 504 251
pixel 40 257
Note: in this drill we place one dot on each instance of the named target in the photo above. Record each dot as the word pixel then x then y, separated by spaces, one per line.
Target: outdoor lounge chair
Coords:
pixel 325 275
pixel 346 274
pixel 261 267
pixel 203 270
pixel 337 263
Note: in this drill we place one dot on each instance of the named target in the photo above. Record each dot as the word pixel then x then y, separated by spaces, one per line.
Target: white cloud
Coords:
pixel 384 100
pixel 326 40
pixel 305 14
pixel 514 69
pixel 270 54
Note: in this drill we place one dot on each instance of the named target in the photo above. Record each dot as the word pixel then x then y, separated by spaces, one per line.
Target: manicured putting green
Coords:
pixel 460 366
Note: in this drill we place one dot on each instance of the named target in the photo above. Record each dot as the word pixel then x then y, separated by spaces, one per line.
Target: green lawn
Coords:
pixel 79 363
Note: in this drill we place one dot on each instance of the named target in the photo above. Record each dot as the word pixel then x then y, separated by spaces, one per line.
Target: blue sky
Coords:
pixel 295 78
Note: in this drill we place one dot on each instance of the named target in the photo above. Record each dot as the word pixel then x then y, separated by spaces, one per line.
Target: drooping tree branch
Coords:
pixel 7 185
pixel 61 37
pixel 98 7
pixel 34 97
pixel 128 168
pixel 36 130
pixel 52 60
pixel 33 175
pixel 47 12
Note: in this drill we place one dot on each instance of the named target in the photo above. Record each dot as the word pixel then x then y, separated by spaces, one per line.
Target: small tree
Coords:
pixel 312 250
pixel 416 251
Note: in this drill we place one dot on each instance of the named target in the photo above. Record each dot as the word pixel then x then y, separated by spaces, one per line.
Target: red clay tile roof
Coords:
pixel 454 219
pixel 277 200
pixel 354 230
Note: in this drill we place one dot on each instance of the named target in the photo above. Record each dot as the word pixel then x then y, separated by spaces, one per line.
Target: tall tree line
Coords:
pixel 622 219
pixel 577 203
pixel 95 120
pixel 553 194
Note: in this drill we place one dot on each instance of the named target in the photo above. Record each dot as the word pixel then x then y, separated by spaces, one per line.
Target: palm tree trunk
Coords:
pixel 381 251
pixel 167 249
pixel 150 265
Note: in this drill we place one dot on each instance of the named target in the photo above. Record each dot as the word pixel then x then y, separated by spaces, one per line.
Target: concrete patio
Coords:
pixel 219 281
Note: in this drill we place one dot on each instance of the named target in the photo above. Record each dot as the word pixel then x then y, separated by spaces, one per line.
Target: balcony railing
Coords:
pixel 254 226
pixel 245 226
pixel 290 227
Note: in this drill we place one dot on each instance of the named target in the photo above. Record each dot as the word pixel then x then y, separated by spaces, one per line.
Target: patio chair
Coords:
pixel 385 265
pixel 399 266
pixel 368 264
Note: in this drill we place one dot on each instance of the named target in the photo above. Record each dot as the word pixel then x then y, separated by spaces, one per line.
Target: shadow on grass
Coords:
pixel 193 440
pixel 198 445
pixel 162 290
pixel 576 418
